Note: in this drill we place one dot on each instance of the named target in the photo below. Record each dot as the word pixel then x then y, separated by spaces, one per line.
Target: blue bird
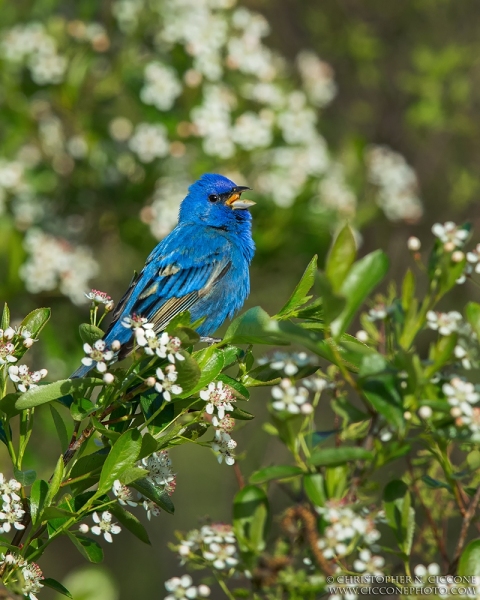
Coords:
pixel 201 266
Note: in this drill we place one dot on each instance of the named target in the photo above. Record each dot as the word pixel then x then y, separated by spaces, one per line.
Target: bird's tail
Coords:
pixel 81 371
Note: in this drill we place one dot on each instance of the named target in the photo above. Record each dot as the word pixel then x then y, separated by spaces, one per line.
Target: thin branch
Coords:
pixel 469 514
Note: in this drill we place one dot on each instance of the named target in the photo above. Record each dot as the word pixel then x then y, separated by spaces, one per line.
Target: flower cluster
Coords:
pixel 164 382
pixel 182 587
pixel 163 345
pixel 397 184
pixel 215 543
pixel 53 261
pixel 24 378
pixel 97 355
pixel 29 575
pixel 289 363
pixel 450 235
pixel 103 526
pixel 461 395
pixel 7 346
pixel 11 513
pixel 162 477
pixel 444 323
pixel 97 297
pixel 220 399
pixel 344 525
pixel 290 398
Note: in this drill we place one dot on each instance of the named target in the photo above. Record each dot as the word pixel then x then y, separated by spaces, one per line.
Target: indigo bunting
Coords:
pixel 201 266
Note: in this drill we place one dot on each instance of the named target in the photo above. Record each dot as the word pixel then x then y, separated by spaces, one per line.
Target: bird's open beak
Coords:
pixel 236 202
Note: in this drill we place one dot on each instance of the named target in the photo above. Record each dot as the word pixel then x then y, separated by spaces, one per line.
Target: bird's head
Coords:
pixel 216 201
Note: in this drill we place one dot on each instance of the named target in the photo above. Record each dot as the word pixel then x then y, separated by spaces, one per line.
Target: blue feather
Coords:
pixel 201 266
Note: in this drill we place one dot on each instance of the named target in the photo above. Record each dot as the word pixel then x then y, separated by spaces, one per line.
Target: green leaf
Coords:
pixel 399 513
pixel 434 483
pixel 60 427
pixel 24 477
pixel 131 475
pixel 440 353
pixel 361 280
pixel 186 335
pixel 130 522
pixel 314 487
pixel 299 296
pixel 385 399
pixel 340 257
pixel 5 317
pixel 149 446
pixel 81 408
pixel 252 327
pixel 38 496
pixel 87 464
pixel 211 361
pixel 7 404
pixel 55 481
pixel 57 586
pixel 188 374
pixel 239 390
pixel 35 321
pixel 251 519
pixel 53 391
pixel 469 563
pixel 338 456
pixel 122 456
pixel 472 314
pixel 274 472
pixel 88 547
pixel 90 334
pixel 408 290
pixel 241 415
pixel 333 304
pixel 162 500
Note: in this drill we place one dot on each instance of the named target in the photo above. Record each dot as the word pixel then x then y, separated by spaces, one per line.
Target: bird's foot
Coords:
pixel 210 340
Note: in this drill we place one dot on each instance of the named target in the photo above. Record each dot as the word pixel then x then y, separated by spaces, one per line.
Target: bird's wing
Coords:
pixel 174 278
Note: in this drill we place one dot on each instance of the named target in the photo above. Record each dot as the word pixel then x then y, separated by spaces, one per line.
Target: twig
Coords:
pixel 469 514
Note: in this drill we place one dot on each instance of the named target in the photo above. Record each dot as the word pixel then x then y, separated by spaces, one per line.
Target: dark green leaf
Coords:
pixel 24 477
pixel 241 415
pixel 469 564
pixel 434 483
pixel 399 513
pixel 252 327
pixel 122 456
pixel 332 303
pixel 239 390
pixel 60 427
pixel 53 391
pixel 211 362
pixel 149 445
pixel 55 482
pixel 38 496
pixel 299 296
pixel 150 491
pixel 188 374
pixel 186 335
pixel 361 280
pixel 90 334
pixel 341 257
pixel 7 404
pixel 57 586
pixel 338 456
pixel 385 399
pixel 81 408
pixel 88 547
pixel 130 522
pixel 35 321
pixel 274 472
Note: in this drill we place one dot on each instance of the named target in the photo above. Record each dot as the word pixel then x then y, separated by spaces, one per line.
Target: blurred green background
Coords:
pixel 356 110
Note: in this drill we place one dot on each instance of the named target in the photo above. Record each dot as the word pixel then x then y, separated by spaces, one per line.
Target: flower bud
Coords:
pixel 83 528
pixel 449 247
pixel 414 244
pixel 407 415
pixel 109 306
pixel 9 333
pixel 455 412
pixel 116 345
pixel 424 412
pixel 362 336
pixel 28 342
pixel 43 373
pixel 108 378
pixel 151 381
pixel 458 256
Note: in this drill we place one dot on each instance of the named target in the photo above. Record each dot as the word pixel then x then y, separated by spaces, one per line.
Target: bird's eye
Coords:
pixel 213 198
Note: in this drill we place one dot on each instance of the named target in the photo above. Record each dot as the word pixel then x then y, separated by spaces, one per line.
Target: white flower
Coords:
pixel 163 345
pixel 461 394
pixel 151 509
pixel 317 77
pixel 9 489
pixel 222 556
pixel 369 563
pixel 165 383
pixel 397 184
pixel 6 353
pixel 450 234
pixel 162 215
pixel 100 298
pixel 224 444
pixel 377 313
pixel 24 378
pixel 253 131
pixel 32 578
pixel 48 67
pixel 218 397
pixel 97 354
pixel 104 525
pixel 159 467
pixel 149 142
pixel 11 515
pixel 289 398
pixel 123 493
pixel 181 587
pixel 161 87
pixel 446 323
pixel 431 569
pixel 290 364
